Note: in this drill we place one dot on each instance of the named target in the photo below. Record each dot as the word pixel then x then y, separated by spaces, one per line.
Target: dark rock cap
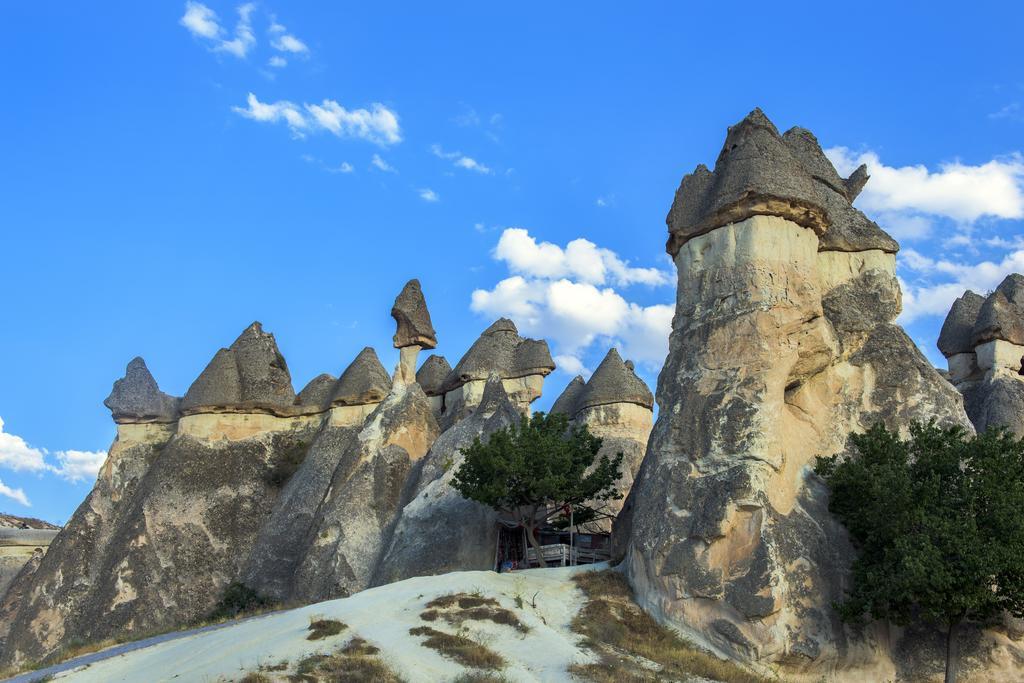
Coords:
pixel 413 319
pixel 566 402
pixel 614 382
pixel 957 330
pixel 759 172
pixel 136 397
pixel 318 392
pixel 364 381
pixel 432 374
pixel 1002 314
pixel 251 372
pixel 500 350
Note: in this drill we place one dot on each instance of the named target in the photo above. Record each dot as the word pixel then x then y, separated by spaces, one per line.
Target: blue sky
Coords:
pixel 172 172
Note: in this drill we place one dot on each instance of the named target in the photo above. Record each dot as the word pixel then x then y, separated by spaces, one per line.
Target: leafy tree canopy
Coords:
pixel 534 471
pixel 938 522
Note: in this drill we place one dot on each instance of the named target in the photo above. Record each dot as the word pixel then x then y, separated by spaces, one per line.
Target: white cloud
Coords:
pixel 561 295
pixel 201 21
pixel 927 297
pixel 344 167
pixel 571 365
pixel 428 195
pixel 76 466
pixel 244 39
pixel 902 198
pixel 17 455
pixel 1013 112
pixel 289 43
pixel 382 165
pixel 17 495
pixel 277 62
pixel 378 124
pixel 272 112
pixel 580 259
pixel 460 160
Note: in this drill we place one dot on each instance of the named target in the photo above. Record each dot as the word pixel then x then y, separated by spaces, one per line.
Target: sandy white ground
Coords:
pixel 383 617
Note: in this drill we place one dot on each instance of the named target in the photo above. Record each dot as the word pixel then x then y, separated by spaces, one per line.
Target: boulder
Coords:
pixel 957 331
pixel 432 374
pixel 614 382
pixel 413 319
pixel 1001 317
pixel 137 398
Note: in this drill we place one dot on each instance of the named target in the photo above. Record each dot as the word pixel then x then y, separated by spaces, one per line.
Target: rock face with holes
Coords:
pixel 782 343
pixel 983 342
pixel 617 406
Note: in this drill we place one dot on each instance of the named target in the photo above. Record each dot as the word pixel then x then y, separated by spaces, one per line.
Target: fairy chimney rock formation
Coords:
pixel 415 331
pixel 522 364
pixel 136 398
pixel 431 377
pixel 318 393
pixel 782 343
pixel 566 401
pixel 616 405
pixel 983 342
pixel 363 385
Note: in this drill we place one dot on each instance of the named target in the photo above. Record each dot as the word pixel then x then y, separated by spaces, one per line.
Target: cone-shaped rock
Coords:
pixel 957 330
pixel 250 373
pixel 501 351
pixel 758 172
pixel 614 382
pixel 364 381
pixel 1002 314
pixel 566 403
pixel 319 391
pixel 413 319
pixel 432 374
pixel 137 398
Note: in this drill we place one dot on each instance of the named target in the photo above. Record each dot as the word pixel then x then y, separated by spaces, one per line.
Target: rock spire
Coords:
pixel 137 398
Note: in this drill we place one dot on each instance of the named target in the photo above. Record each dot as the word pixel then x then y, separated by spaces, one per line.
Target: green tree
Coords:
pixel 532 472
pixel 938 522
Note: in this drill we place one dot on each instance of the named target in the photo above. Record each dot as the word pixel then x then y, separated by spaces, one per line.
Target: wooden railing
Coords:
pixel 561 554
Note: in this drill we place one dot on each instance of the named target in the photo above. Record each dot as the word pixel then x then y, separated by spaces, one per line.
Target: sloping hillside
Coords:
pixel 540 625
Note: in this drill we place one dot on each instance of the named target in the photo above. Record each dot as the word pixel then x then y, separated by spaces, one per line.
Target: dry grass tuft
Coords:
pixel 461 649
pixel 354 663
pixel 463 600
pixel 254 677
pixel 358 646
pixel 621 634
pixel 323 628
pixel 480 677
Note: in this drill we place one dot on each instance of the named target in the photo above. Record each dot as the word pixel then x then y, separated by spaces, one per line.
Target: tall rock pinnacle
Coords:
pixel 415 331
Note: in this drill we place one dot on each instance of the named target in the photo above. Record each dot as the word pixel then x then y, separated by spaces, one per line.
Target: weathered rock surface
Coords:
pixel 760 172
pixel 413 319
pixel 350 528
pixel 250 375
pixel 983 342
pixel 616 406
pixel 319 391
pixel 522 364
pixel 364 381
pixel 137 398
pixel 726 532
pixel 432 374
pixel 438 530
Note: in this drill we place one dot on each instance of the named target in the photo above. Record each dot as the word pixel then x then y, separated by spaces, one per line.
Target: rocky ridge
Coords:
pixel 300 497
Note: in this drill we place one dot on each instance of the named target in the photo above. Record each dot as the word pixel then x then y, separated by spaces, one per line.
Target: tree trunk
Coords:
pixel 536 546
pixel 952 653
